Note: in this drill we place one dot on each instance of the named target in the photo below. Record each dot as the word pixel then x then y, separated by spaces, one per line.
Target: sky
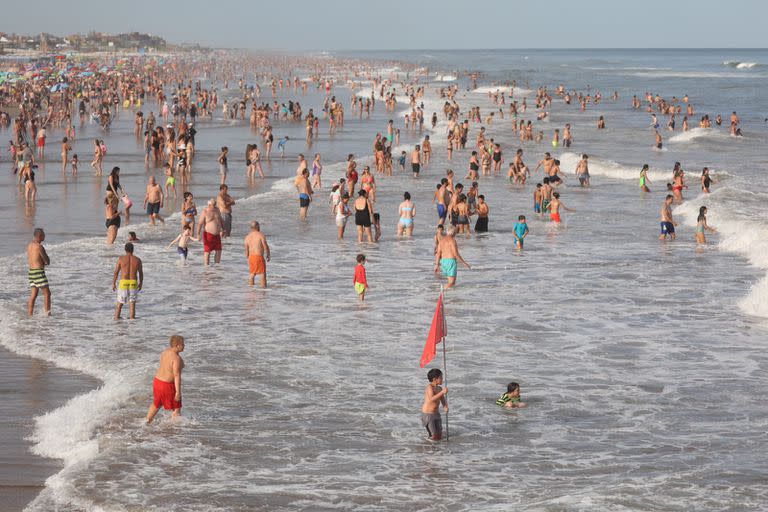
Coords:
pixel 416 24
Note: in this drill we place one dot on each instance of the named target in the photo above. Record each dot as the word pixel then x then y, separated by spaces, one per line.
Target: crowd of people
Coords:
pixel 169 142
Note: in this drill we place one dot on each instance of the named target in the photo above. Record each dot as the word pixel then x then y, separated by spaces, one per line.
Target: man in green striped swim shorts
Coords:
pixel 38 259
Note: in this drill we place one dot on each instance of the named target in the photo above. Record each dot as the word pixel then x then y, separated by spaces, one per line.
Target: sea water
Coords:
pixel 642 362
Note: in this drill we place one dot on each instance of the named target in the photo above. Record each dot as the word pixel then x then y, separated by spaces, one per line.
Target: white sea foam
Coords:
pixel 729 210
pixel 446 78
pixel 517 91
pixel 609 168
pixel 689 74
pixel 741 65
pixel 699 133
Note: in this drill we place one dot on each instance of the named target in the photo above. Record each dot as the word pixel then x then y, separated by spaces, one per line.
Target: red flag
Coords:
pixel 436 334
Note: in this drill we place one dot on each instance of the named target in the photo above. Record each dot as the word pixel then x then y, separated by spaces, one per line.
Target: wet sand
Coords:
pixel 29 388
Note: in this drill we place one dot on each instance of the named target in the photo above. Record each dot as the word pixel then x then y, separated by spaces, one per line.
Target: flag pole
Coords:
pixel 445 365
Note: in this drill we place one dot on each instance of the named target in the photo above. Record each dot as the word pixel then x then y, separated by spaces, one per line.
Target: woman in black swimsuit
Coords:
pixel 30 189
pixel 706 181
pixel 363 214
pixel 113 182
pixel 112 216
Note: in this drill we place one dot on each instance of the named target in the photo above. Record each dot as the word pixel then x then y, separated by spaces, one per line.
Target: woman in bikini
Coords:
pixel 406 212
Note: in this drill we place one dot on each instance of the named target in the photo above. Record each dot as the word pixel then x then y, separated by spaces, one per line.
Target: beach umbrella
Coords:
pixel 58 87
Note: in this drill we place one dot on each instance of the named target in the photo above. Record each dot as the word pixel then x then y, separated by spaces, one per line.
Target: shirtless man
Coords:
pixel 667 224
pixel 302 165
pixel 153 200
pixel 447 255
pixel 518 163
pixel 547 162
pixel 546 194
pixel 567 136
pixel 224 203
pixel 735 121
pixel 131 279
pixel 439 199
pixel 416 161
pixel 166 387
pixel 37 259
pixel 582 171
pixel 211 222
pixel 305 191
pixel 256 251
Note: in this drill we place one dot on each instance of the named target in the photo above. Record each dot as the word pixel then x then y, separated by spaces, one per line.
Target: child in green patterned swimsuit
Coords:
pixel 511 398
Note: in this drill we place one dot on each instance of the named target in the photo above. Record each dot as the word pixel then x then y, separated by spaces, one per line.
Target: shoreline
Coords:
pixel 31 387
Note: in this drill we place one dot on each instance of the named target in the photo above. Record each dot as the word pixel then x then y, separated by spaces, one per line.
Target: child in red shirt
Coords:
pixel 361 283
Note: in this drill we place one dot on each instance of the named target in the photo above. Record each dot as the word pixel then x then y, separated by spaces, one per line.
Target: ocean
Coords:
pixel 643 363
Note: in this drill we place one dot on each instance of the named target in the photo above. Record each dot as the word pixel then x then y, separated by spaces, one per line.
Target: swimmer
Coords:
pixel 511 399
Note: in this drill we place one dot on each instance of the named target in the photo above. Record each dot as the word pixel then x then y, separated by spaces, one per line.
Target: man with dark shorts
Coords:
pixel 153 200
pixel 416 161
pixel 667 224
pixel 224 203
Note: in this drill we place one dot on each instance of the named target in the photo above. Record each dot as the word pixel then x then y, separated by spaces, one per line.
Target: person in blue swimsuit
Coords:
pixel 406 211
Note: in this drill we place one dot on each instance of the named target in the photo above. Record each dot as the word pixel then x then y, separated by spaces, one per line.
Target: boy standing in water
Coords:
pixel 183 242
pixel 520 232
pixel 434 395
pixel 166 386
pixel 361 281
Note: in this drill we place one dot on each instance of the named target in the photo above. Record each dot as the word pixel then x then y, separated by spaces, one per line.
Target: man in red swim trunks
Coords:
pixel 212 223
pixel 167 384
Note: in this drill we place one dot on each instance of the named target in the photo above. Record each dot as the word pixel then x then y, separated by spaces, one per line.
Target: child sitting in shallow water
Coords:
pixel 511 399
